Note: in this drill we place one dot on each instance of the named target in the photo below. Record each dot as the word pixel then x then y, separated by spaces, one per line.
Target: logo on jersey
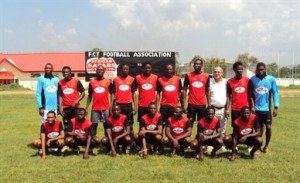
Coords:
pixel 246 131
pixel 239 89
pixel 170 88
pixel 178 130
pixel 197 84
pixel 208 132
pixel 151 127
pixel 261 90
pixel 78 131
pixel 52 135
pixel 68 91
pixel 123 87
pixel 147 86
pixel 117 128
pixel 99 90
pixel 51 88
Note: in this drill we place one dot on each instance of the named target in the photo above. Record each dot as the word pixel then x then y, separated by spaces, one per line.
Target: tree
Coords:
pixel 248 61
pixel 191 63
pixel 96 50
pixel 272 69
pixel 285 72
pixel 211 63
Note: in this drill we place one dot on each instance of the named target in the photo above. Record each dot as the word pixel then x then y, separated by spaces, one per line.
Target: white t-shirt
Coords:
pixel 218 92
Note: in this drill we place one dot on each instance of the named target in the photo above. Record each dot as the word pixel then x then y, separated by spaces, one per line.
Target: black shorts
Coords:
pixel 200 110
pixel 126 109
pixel 141 112
pixel 250 141
pixel 234 115
pixel 166 111
pixel 70 112
pixel 150 139
pixel 211 142
pixel 264 117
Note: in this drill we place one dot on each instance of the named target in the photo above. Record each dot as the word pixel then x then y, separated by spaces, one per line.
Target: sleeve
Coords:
pixel 207 84
pixel 235 131
pixel 133 86
pixel 256 124
pixel 188 124
pixel 59 90
pixel 110 89
pixel 186 81
pixel 80 87
pixel 113 87
pixel 142 123
pixel 91 131
pixel 228 89
pixel 61 126
pixel 126 122
pixel 160 121
pixel 90 89
pixel 69 128
pixel 158 86
pixel 200 128
pixel 218 124
pixel 167 123
pixel 107 125
pixel 275 94
pixel 180 85
pixel 38 93
pixel 43 130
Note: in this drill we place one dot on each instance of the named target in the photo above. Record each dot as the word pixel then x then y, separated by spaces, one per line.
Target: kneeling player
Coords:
pixel 150 131
pixel 80 133
pixel 178 132
pixel 117 130
pixel 243 133
pixel 52 135
pixel 206 136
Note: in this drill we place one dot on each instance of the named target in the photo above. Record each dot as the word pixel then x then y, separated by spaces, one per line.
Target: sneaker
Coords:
pixel 76 151
pixel 40 151
pixel 266 150
pixel 249 149
pixel 157 152
pixel 65 148
pixel 52 149
pixel 223 149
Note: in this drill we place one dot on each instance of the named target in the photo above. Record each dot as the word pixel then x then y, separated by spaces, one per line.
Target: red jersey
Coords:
pixel 152 123
pixel 70 92
pixel 239 91
pixel 123 89
pixel 100 92
pixel 81 128
pixel 117 126
pixel 245 128
pixel 197 88
pixel 170 88
pixel 178 127
pixel 208 128
pixel 147 89
pixel 52 131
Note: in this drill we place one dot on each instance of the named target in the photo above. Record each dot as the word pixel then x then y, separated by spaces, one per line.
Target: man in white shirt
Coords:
pixel 218 97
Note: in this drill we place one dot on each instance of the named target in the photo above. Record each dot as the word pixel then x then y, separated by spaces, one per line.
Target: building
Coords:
pixel 25 68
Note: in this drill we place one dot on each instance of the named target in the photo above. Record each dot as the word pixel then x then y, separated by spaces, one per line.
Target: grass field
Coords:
pixel 19 124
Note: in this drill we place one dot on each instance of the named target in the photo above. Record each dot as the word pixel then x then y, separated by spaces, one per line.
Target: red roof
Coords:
pixel 6 75
pixel 35 62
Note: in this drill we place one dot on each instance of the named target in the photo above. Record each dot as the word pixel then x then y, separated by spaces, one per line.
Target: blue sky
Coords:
pixel 267 29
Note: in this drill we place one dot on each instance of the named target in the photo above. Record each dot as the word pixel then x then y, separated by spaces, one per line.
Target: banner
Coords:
pixel 112 59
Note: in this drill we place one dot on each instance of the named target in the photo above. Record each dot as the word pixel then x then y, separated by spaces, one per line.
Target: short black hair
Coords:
pixel 236 64
pixel 146 63
pixel 259 64
pixel 210 108
pixel 200 59
pixel 80 110
pixel 66 67
pixel 52 112
pixel 244 108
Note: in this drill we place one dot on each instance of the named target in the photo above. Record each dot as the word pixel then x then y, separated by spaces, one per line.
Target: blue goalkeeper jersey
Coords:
pixel 46 93
pixel 262 92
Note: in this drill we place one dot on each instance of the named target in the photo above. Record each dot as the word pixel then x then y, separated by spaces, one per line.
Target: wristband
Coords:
pixel 211 137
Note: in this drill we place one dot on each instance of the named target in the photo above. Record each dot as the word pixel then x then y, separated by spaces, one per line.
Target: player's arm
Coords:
pixel 251 96
pixel 82 93
pixel 188 132
pixel 158 93
pixel 184 92
pixel 60 101
pixel 60 136
pixel 180 94
pixel 207 92
pixel 43 140
pixel 90 97
pixel 254 134
pixel 107 126
pixel 133 95
pixel 234 143
pixel 113 95
pixel 159 128
pixel 88 141
pixel 168 131
pixel 38 96
pixel 275 97
pixel 126 132
pixel 228 99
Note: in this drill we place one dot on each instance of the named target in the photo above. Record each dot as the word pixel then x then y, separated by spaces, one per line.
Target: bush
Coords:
pixel 11 87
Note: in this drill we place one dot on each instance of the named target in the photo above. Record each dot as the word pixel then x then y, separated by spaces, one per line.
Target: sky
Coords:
pixel 266 29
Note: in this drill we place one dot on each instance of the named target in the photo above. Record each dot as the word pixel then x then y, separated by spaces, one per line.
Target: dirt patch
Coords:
pixel 27 92
pixel 289 92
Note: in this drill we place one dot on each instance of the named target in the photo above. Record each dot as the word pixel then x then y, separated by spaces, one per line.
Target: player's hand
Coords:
pixel 243 139
pixel 176 144
pixel 113 153
pixel 86 156
pixel 41 112
pixel 185 110
pixel 142 133
pixel 133 111
pixel 252 110
pixel 275 112
pixel 203 137
pixel 48 142
pixel 227 114
pixel 115 141
pixel 61 111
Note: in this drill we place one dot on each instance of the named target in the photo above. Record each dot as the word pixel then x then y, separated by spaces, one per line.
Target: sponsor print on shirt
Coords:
pixel 79 131
pixel 208 132
pixel 123 87
pixel 170 88
pixel 197 84
pixel 68 91
pixel 178 130
pixel 99 90
pixel 246 131
pixel 52 135
pixel 51 88
pixel 261 90
pixel 147 86
pixel 151 127
pixel 117 128
pixel 239 89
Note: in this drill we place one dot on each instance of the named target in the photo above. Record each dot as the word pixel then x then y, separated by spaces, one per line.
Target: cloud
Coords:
pixel 8 31
pixel 75 19
pixel 71 31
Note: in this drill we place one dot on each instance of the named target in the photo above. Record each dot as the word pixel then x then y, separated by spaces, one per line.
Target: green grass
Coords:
pixel 13 87
pixel 20 123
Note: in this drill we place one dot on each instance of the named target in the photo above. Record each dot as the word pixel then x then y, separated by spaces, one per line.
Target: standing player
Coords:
pixel 52 135
pixel 239 90
pixel 264 86
pixel 146 84
pixel 243 133
pixel 117 130
pixel 71 92
pixel 46 92
pixel 150 130
pixel 218 97
pixel 80 133
pixel 124 87
pixel 99 91
pixel 178 132
pixel 199 94
pixel 170 88
pixel 206 135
